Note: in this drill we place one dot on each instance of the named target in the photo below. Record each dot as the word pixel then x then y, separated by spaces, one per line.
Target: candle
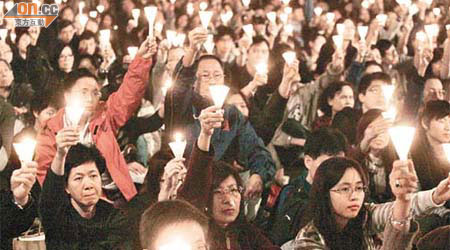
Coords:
pixel 318 11
pixel 203 6
pixel 205 18
pixel 413 9
pixel 81 6
pixel 166 86
pixel 284 17
pixel 9 5
pixel 446 147
pixel 209 44
pixel 390 113
pixel 83 20
pixel 58 2
pixel 25 149
pixel 286 2
pixel 132 51
pixel 218 94
pixel 226 16
pixel 340 28
pixel 93 14
pixel 402 137
pixel 178 146
pixel 136 13
pixel 150 13
pixel 362 31
pixel 338 41
pixel 289 29
pixel 246 3
pixel 289 57
pixel 365 4
pixel 437 12
pixel 179 40
pixel 330 17
pixel 171 36
pixel 3 34
pixel 100 8
pixel 382 18
pixel 272 17
pixel 288 10
pixel 74 110
pixel 190 9
pixel 432 30
pixel 105 36
pixel 248 30
pixel 388 92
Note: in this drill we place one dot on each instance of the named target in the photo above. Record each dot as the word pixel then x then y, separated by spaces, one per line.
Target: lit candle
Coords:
pixel 246 3
pixel 402 137
pixel 390 113
pixel 272 16
pixel 178 146
pixel 166 86
pixel 100 8
pixel 3 34
pixel 340 28
pixel 338 41
pixel 93 14
pixel 203 6
pixel 81 6
pixel 248 30
pixel 382 18
pixel 226 17
pixel 413 9
pixel 205 18
pixel 437 11
pixel 446 147
pixel 284 18
pixel 288 10
pixel 179 40
pixel 365 4
pixel 362 31
pixel 132 51
pixel 74 110
pixel 330 17
pixel 209 44
pixel 286 2
pixel 25 149
pixel 289 57
pixel 58 2
pixel 289 29
pixel 190 9
pixel 318 11
pixel 136 13
pixel 218 94
pixel 83 20
pixel 150 13
pixel 171 36
pixel 105 36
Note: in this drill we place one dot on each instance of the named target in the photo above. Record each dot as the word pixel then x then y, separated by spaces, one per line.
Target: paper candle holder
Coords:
pixel 402 137
pixel 219 94
pixel 178 146
pixel 25 149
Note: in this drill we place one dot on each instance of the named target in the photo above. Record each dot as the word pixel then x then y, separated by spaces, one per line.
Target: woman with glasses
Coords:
pixel 218 190
pixel 339 218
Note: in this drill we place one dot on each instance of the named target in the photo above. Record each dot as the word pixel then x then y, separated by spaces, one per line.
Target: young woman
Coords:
pixel 339 218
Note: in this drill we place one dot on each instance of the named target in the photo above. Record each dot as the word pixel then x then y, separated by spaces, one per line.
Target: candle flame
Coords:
pixel 272 16
pixel 178 146
pixel 289 57
pixel 218 94
pixel 402 137
pixel 205 18
pixel 132 51
pixel 318 11
pixel 338 41
pixel 25 149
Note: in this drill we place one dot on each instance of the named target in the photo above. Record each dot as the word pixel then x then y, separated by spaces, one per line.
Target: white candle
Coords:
pixel 93 14
pixel 330 17
pixel 132 51
pixel 190 9
pixel 226 17
pixel 413 9
pixel 25 149
pixel 179 40
pixel 289 57
pixel 246 3
pixel 338 41
pixel 178 146
pixel 3 34
pixel 150 14
pixel 136 13
pixel 318 11
pixel 209 44
pixel 362 31
pixel 100 8
pixel 402 137
pixel 81 6
pixel 218 94
pixel 83 20
pixel 203 6
pixel 340 28
pixel 437 11
pixel 272 17
pixel 205 18
pixel 382 18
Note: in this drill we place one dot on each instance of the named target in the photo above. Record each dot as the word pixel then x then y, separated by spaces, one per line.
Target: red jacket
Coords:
pixel 109 117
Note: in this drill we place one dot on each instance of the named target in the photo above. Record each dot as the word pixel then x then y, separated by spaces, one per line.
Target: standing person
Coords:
pixel 100 120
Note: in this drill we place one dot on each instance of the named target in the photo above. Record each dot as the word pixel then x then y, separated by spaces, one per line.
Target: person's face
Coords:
pixel 6 52
pixel 342 99
pixel 45 115
pixel 439 130
pixel 107 22
pixel 433 91
pixel 173 57
pixel 66 59
pixel 179 235
pixel 209 72
pixel 86 64
pixel 313 164
pixel 240 104
pixel 318 43
pixel 87 91
pixel 347 203
pixel 66 34
pixel 87 46
pixel 226 201
pixel 260 28
pixel 183 21
pixel 67 15
pixel 6 75
pixel 224 45
pixel 23 43
pixel 92 26
pixel 364 15
pixel 373 99
pixel 391 56
pixel 258 53
pixel 84 185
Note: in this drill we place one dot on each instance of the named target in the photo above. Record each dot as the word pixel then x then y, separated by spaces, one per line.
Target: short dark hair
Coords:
pixel 437 109
pixel 327 141
pixel 207 57
pixel 90 58
pixel 222 31
pixel 329 93
pixel 87 35
pixel 63 24
pixel 165 213
pixel 73 77
pixel 367 80
pixel 81 154
pixel 383 45
pixel 372 63
pixel 259 39
pixel 43 99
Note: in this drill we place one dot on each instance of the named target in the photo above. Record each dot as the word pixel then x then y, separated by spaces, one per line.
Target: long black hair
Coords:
pixel 320 210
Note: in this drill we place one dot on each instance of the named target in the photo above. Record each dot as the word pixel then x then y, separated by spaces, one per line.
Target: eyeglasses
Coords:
pixel 436 92
pixel 375 90
pixel 84 92
pixel 234 191
pixel 347 191
pixel 207 76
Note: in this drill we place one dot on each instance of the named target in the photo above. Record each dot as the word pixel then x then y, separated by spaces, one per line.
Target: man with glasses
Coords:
pixel 433 90
pixel 100 121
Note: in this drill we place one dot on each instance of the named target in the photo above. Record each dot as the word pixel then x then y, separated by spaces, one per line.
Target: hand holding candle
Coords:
pixel 22 181
pixel 178 146
pixel 210 118
pixel 150 14
pixel 289 57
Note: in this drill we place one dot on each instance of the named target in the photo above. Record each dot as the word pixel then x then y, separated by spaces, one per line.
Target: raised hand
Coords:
pixel 210 118
pixel 442 192
pixel 197 37
pixel 22 180
pixel 290 76
pixel 66 138
pixel 173 177
pixel 254 187
pixel 147 49
pixel 403 180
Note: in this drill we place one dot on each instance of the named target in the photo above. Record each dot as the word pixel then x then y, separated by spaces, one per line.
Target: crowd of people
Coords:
pixel 227 124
